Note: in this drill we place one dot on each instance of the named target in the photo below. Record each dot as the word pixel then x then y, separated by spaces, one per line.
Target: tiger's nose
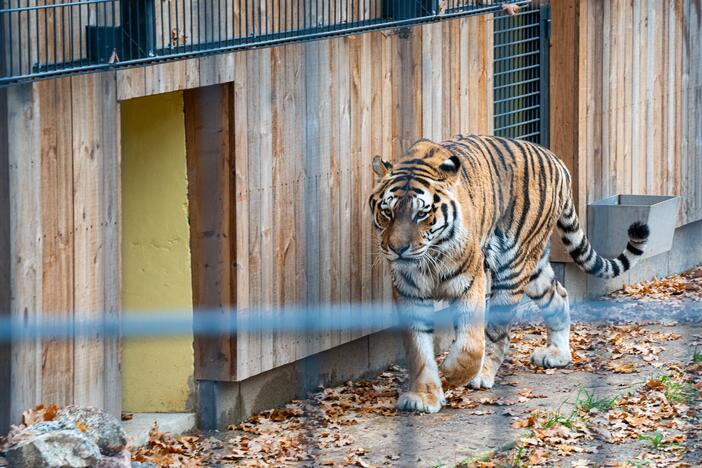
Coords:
pixel 399 250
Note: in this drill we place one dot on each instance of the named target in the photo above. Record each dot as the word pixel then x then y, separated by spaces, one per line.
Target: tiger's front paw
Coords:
pixel 420 401
pixel 551 356
pixel 484 379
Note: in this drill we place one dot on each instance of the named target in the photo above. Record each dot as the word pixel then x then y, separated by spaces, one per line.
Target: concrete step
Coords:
pixel 139 426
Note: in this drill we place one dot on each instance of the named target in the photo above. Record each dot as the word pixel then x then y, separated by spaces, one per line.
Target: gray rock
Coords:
pixel 143 465
pixel 63 448
pixel 122 460
pixel 103 428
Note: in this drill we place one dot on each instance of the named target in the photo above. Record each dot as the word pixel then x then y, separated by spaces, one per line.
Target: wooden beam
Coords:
pixel 57 225
pixel 567 91
pixel 207 136
pixel 5 264
pixel 22 262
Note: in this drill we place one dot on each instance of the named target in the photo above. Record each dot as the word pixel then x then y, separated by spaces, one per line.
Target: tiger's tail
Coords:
pixel 580 249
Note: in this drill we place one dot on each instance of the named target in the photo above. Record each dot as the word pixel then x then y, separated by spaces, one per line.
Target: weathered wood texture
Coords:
pixel 645 100
pixel 627 98
pixel 61 253
pixel 279 170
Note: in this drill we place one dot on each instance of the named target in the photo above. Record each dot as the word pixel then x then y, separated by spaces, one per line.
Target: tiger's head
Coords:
pixel 413 205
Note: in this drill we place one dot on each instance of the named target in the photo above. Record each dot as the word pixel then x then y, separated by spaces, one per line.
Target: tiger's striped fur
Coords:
pixel 448 215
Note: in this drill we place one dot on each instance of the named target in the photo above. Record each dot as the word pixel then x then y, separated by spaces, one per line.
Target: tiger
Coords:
pixel 469 218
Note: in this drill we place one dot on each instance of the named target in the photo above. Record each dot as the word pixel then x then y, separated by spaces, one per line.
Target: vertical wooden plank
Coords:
pixel 355 245
pixel 110 250
pixel 345 179
pixel 477 41
pixel 670 97
pixel 96 270
pixel 464 99
pixel 264 128
pixel 651 61
pixel 327 178
pixel 677 104
pixel 626 30
pixel 431 106
pixel 57 227
pixel 313 155
pixel 280 91
pixel 209 193
pixel 610 105
pixel 88 164
pixel 376 147
pixel 695 108
pixel 335 185
pixel 618 110
pixel 301 268
pixel 568 98
pixel 256 196
pixel 5 263
pixel 595 114
pixel 247 343
pixel 408 87
pixel 364 174
pixel 660 86
pixel 640 23
pixel 452 65
pixel 25 265
pixel 389 127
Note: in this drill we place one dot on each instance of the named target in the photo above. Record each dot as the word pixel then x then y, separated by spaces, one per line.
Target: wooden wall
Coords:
pixel 279 171
pixel 644 100
pixel 626 107
pixel 59 176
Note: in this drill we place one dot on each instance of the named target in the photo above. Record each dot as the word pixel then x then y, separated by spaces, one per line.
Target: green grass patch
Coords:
pixel 586 401
pixel 677 392
pixel 638 463
pixel 654 441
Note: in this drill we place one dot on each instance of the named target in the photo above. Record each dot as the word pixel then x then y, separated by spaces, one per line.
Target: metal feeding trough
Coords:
pixel 609 219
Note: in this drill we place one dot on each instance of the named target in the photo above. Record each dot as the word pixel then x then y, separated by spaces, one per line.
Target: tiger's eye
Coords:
pixel 422 215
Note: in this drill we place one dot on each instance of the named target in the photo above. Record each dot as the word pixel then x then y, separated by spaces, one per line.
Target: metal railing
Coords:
pixel 44 38
pixel 521 75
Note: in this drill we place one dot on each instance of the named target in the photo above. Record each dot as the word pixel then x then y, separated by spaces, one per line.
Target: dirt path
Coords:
pixel 630 398
pixel 456 436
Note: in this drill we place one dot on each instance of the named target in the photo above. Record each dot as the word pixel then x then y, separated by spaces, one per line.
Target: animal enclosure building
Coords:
pixel 192 155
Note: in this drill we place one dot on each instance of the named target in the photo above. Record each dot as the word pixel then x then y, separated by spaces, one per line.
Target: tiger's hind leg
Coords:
pixel 499 319
pixel 552 299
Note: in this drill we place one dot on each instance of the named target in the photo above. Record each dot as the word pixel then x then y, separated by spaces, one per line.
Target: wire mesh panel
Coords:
pixel 521 75
pixel 41 38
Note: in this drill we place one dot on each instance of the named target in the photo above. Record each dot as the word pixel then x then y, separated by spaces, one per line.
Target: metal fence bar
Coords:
pixel 521 75
pixel 102 34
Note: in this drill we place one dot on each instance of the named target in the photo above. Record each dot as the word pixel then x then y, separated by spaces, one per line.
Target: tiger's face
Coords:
pixel 413 206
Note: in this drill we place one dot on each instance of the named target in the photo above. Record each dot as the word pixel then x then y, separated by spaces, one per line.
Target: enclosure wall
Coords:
pixel 61 258
pixel 284 219
pixel 626 104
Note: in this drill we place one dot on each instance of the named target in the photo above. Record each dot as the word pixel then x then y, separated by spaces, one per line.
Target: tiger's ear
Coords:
pixel 381 167
pixel 451 166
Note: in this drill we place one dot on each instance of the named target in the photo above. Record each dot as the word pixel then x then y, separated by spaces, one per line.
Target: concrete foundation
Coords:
pixel 138 427
pixel 224 403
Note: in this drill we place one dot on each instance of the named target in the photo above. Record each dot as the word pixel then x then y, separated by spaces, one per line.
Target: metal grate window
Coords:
pixel 521 75
pixel 43 38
